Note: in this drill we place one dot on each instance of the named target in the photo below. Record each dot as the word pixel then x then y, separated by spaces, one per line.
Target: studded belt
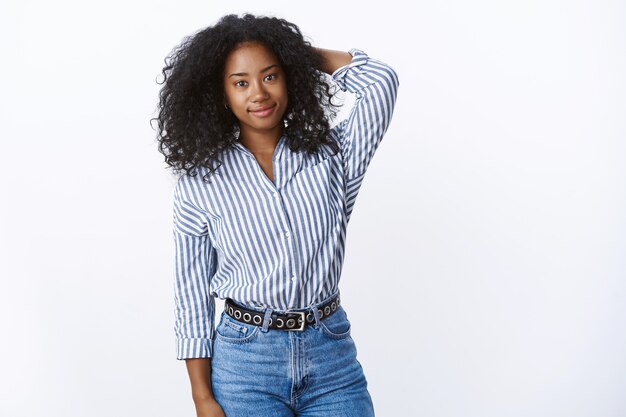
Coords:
pixel 294 320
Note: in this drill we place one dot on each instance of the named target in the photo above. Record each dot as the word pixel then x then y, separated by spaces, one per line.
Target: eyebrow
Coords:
pixel 245 73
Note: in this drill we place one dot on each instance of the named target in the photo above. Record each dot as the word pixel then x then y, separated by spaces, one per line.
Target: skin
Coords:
pixel 259 87
pixel 253 79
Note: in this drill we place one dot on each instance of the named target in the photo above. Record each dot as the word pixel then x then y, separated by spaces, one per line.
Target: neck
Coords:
pixel 259 142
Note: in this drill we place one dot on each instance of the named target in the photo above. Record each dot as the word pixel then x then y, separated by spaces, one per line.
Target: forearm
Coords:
pixel 199 370
pixel 333 59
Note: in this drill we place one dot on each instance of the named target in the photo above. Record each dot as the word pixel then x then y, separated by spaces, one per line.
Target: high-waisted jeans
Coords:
pixel 261 372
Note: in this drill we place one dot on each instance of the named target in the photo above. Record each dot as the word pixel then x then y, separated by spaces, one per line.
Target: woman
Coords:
pixel 260 214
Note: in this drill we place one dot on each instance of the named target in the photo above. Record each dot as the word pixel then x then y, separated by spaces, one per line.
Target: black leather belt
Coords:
pixel 295 320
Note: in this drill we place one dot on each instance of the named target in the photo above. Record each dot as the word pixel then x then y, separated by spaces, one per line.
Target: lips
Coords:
pixel 263 111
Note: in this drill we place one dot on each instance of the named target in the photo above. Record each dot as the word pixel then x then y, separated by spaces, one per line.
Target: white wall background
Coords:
pixel 494 212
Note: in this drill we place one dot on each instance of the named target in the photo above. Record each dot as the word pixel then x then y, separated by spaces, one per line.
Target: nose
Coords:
pixel 258 92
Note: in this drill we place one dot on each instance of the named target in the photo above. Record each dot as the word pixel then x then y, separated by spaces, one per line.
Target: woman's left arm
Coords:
pixel 375 85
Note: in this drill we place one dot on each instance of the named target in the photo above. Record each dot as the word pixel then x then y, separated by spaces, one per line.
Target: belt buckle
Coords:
pixel 302 318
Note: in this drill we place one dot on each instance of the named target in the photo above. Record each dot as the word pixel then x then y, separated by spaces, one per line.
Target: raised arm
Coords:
pixel 375 85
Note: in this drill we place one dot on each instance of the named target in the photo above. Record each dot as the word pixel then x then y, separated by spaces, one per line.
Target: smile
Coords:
pixel 265 112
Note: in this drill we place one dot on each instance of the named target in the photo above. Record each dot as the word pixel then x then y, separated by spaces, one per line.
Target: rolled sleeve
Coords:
pixel 195 262
pixel 375 85
pixel 346 76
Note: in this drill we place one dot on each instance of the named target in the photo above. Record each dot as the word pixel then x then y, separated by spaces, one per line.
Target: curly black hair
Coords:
pixel 193 125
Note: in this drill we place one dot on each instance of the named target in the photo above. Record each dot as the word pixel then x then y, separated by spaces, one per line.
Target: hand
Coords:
pixel 333 59
pixel 209 408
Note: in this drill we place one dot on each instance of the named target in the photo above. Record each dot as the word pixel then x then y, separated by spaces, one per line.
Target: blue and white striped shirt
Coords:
pixel 275 244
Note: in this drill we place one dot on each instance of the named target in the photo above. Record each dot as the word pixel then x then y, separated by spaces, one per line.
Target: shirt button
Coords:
pixel 287 234
pixel 293 278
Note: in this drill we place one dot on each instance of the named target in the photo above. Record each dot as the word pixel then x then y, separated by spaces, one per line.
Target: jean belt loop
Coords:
pixel 316 314
pixel 266 320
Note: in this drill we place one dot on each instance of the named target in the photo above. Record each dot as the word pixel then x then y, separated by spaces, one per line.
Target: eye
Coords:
pixel 237 83
pixel 271 75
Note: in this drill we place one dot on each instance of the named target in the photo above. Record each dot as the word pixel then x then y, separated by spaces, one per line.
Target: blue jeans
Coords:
pixel 264 372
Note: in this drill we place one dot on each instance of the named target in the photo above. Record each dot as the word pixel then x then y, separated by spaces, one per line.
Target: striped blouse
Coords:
pixel 275 244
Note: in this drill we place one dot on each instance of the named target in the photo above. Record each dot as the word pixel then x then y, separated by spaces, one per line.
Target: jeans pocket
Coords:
pixel 337 325
pixel 233 331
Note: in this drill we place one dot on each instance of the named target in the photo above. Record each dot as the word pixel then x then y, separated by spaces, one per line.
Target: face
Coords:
pixel 255 88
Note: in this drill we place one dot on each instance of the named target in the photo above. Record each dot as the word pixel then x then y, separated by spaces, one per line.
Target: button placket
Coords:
pixel 290 246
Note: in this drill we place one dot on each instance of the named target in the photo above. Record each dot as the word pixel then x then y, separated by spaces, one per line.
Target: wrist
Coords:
pixel 202 397
pixel 333 59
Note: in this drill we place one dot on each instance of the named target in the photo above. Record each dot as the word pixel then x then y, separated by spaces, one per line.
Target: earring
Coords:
pixel 226 106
